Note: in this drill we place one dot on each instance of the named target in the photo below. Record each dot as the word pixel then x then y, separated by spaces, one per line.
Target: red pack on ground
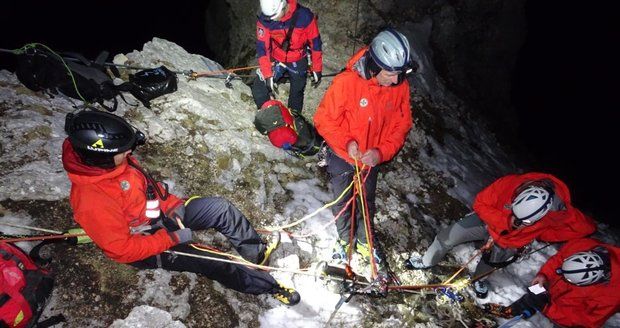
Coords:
pixel 277 122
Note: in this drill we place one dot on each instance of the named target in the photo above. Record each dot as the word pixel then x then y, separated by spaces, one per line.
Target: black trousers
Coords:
pixel 298 86
pixel 341 174
pixel 221 215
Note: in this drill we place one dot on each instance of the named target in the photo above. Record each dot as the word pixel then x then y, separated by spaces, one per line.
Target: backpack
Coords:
pixel 292 133
pixel 150 83
pixel 24 288
pixel 71 74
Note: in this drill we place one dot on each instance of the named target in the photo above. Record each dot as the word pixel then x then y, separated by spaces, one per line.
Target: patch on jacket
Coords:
pixel 363 102
pixel 261 32
pixel 125 185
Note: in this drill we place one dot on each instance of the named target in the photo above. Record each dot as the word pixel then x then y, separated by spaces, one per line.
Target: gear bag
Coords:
pixel 277 122
pixel 24 288
pixel 291 133
pixel 71 74
pixel 149 84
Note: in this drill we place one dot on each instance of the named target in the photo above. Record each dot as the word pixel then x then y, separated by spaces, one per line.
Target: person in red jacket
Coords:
pixel 364 117
pixel 578 286
pixel 134 219
pixel 284 32
pixel 513 211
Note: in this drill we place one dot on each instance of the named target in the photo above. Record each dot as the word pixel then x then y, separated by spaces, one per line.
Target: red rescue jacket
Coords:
pixel 581 306
pixel 107 203
pixel 271 34
pixel 493 206
pixel 354 108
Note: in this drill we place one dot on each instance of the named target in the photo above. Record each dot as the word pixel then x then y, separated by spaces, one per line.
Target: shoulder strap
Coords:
pixel 287 41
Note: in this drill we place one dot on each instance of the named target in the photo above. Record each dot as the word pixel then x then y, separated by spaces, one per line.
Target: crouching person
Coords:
pixel 577 287
pixel 514 211
pixel 134 219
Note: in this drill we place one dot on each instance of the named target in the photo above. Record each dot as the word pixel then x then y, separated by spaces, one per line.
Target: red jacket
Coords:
pixel 581 306
pixel 271 34
pixel 493 206
pixel 354 108
pixel 107 203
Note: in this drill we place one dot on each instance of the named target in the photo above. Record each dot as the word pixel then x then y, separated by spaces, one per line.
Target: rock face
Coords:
pixel 474 43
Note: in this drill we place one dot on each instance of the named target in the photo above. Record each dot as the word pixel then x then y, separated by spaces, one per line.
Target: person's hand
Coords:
pixel 353 150
pixel 540 280
pixel 371 157
pixel 316 79
pixel 272 85
pixel 181 236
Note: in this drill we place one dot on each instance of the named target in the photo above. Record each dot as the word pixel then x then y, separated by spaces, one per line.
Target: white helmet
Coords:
pixel 532 204
pixel 584 268
pixel 272 8
pixel 390 50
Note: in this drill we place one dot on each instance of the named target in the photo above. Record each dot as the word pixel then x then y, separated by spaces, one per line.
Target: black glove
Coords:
pixel 181 236
pixel 272 85
pixel 316 79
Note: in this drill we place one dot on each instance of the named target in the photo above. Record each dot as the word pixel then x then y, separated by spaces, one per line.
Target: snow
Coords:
pixel 212 123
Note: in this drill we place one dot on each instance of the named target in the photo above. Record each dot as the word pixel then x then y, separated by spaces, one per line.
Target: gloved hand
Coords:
pixel 272 85
pixel 316 79
pixel 371 157
pixel 181 236
pixel 353 150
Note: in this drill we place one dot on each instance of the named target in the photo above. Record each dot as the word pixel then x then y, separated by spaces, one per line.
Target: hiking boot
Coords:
pixel 415 263
pixel 339 251
pixel 481 289
pixel 271 245
pixel 287 296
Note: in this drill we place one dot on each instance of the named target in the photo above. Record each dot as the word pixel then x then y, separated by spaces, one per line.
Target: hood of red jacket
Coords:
pixel 292 6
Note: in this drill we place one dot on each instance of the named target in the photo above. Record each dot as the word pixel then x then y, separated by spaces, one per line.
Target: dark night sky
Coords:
pixel 565 81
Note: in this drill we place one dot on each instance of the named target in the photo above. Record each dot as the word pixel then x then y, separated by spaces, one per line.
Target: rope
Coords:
pixel 365 217
pixel 69 235
pixel 311 214
pixel 15 225
pixel 480 251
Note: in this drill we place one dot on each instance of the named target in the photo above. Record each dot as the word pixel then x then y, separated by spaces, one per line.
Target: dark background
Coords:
pixel 566 94
pixel 565 83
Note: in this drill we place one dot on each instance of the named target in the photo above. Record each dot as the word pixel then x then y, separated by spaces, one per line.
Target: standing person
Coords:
pixel 364 117
pixel 134 219
pixel 514 211
pixel 581 284
pixel 284 31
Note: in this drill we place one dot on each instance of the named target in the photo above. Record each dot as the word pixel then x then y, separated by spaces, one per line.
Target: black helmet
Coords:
pixel 98 136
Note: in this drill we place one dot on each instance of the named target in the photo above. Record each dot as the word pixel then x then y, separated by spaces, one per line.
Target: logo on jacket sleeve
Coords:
pixel 363 102
pixel 125 185
pixel 260 32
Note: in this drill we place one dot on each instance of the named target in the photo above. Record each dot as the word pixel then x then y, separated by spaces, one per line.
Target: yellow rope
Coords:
pixel 311 214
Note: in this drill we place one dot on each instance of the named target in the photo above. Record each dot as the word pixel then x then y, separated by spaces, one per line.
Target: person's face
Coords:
pixel 121 158
pixel 387 78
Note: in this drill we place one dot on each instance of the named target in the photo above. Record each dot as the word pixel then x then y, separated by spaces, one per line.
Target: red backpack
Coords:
pixel 24 287
pixel 277 122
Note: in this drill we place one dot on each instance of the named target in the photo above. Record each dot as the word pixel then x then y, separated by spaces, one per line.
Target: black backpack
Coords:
pixel 309 141
pixel 71 74
pixel 151 83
